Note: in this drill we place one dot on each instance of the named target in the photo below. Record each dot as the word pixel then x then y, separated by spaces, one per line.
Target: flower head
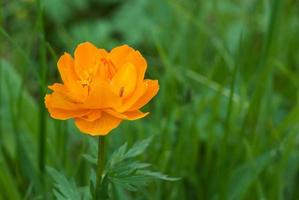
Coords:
pixel 100 88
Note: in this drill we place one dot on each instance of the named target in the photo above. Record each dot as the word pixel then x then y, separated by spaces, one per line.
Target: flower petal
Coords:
pixel 103 53
pixel 58 113
pixel 92 115
pixel 70 79
pixel 60 101
pixel 87 59
pixel 75 94
pixel 128 102
pixel 118 54
pixel 151 91
pixel 125 54
pixel 58 87
pixel 124 81
pixel 101 96
pixel 139 62
pixel 66 69
pixel 131 115
pixel 65 114
pixel 101 126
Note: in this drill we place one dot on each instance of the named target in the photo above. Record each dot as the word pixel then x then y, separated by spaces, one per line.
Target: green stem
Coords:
pixel 101 164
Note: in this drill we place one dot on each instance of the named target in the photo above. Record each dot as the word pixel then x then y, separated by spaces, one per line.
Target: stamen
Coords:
pixel 122 91
pixel 109 68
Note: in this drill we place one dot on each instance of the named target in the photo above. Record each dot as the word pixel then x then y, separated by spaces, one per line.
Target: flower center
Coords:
pixel 86 82
pixel 87 76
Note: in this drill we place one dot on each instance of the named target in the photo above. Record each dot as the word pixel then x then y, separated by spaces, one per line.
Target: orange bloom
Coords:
pixel 100 88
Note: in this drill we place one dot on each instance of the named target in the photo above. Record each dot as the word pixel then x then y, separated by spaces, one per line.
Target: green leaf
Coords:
pixel 131 183
pixel 128 166
pixel 157 175
pixel 117 156
pixel 139 148
pixel 138 178
pixel 65 189
pixel 126 173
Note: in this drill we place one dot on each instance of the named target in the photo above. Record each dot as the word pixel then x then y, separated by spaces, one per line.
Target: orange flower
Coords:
pixel 100 88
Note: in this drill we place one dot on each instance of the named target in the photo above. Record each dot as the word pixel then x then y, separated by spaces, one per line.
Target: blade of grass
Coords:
pixel 22 164
pixel 42 90
pixel 52 51
pixel 20 50
pixel 252 116
pixel 214 86
pixel 226 164
pixel 8 183
pixel 216 42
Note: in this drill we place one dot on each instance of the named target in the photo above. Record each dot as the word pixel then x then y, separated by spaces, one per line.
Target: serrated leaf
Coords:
pixel 128 166
pixel 130 183
pixel 128 174
pixel 138 148
pixel 117 156
pixel 64 189
pixel 157 175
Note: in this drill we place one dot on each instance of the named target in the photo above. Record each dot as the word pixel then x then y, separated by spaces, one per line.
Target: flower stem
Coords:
pixel 101 160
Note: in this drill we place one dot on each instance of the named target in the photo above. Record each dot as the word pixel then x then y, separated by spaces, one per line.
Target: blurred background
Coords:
pixel 226 118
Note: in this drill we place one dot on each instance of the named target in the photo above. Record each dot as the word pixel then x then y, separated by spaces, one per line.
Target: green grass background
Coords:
pixel 226 119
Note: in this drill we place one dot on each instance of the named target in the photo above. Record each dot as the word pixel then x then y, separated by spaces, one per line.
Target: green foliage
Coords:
pixel 225 119
pixel 123 171
pixel 65 189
